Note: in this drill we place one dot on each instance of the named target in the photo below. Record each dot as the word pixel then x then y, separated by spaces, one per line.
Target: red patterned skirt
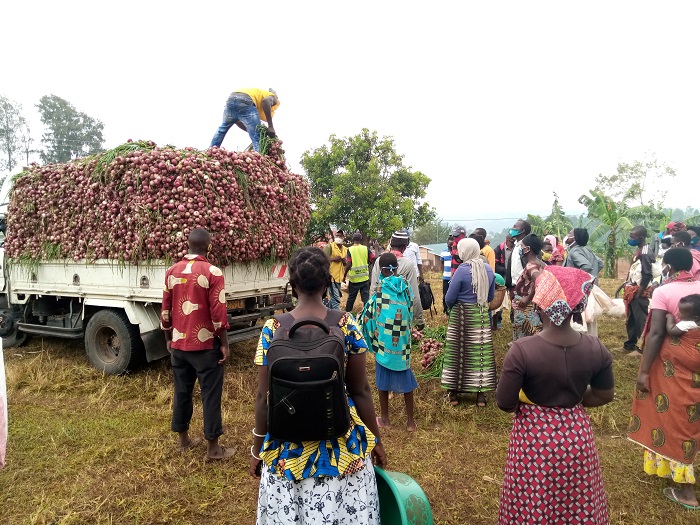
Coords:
pixel 552 471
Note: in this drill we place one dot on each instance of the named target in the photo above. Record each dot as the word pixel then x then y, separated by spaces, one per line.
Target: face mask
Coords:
pixel 546 256
pixel 694 241
pixel 339 240
pixel 633 242
pixel 523 253
pixel 514 233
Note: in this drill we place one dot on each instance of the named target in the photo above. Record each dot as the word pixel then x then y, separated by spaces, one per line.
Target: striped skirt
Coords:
pixel 552 470
pixel 469 364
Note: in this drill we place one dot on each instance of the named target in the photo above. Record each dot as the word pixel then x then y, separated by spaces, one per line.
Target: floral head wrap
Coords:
pixel 561 291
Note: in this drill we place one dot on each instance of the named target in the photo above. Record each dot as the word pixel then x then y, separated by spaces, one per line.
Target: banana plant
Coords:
pixel 615 219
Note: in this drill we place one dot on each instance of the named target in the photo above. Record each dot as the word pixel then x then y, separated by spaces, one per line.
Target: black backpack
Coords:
pixel 306 398
pixel 427 299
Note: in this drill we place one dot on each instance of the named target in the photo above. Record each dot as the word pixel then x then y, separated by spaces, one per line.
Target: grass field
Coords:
pixel 91 449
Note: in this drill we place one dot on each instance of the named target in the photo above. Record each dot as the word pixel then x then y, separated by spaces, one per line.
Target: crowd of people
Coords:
pixel 555 366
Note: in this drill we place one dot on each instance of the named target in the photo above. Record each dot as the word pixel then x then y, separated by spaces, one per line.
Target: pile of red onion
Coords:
pixel 139 202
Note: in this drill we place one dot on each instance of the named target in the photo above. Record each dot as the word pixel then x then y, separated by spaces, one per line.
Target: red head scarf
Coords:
pixel 561 291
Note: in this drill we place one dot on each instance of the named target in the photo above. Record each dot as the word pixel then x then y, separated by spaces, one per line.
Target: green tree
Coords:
pixel 69 133
pixel 11 123
pixel 433 232
pixel 360 184
pixel 557 223
pixel 614 220
pixel 639 183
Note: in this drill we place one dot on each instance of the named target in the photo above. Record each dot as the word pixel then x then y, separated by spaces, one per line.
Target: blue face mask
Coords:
pixel 694 241
pixel 633 242
pixel 514 233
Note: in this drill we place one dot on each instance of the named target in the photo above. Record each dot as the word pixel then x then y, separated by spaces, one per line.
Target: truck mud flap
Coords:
pixel 154 343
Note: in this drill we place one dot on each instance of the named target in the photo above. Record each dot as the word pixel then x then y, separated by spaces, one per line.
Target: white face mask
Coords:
pixel 339 240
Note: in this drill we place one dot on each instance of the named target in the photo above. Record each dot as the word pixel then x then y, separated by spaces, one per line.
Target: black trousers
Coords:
pixel 353 288
pixel 188 367
pixel 445 286
pixel 639 309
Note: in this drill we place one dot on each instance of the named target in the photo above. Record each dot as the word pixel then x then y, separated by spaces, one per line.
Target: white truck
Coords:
pixel 114 307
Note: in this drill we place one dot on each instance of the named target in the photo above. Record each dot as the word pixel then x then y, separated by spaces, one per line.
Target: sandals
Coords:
pixel 226 453
pixel 670 493
pixel 194 443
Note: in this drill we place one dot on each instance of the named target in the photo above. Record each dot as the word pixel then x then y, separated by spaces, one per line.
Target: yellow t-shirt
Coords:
pixel 490 255
pixel 258 95
pixel 337 268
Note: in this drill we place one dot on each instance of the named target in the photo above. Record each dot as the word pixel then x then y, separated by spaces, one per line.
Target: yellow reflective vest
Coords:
pixel 359 271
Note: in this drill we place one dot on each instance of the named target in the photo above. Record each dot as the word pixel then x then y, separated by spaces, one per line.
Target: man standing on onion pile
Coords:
pixel 245 108
pixel 337 252
pixel 357 271
pixel 195 322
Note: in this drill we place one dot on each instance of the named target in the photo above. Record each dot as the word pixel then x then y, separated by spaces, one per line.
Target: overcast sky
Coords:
pixel 499 103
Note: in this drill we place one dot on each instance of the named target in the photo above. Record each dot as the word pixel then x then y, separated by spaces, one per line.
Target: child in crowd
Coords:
pixel 386 326
pixel 689 314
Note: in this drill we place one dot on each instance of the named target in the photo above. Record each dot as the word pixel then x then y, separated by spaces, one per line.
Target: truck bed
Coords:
pixel 108 279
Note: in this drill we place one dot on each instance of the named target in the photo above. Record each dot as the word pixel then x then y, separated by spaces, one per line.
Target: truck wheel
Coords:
pixel 112 343
pixel 11 336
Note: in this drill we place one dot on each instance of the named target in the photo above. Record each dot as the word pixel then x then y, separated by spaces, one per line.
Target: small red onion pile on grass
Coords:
pixel 138 202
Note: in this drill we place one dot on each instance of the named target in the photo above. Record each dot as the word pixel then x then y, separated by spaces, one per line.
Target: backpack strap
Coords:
pixel 333 317
pixel 286 322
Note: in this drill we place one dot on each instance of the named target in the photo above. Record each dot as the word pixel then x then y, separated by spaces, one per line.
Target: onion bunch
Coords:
pixel 431 350
pixel 416 335
pixel 138 202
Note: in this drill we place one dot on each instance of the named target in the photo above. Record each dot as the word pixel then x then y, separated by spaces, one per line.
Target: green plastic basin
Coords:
pixel 401 500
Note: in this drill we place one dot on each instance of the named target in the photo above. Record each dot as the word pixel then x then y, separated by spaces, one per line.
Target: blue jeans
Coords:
pixel 238 108
pixel 334 291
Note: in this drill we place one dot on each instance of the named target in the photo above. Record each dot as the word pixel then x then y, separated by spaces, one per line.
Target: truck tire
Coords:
pixel 11 336
pixel 113 345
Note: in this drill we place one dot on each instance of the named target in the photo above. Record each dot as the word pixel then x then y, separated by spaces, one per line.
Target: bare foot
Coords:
pixel 411 426
pixel 452 398
pixel 480 400
pixel 383 423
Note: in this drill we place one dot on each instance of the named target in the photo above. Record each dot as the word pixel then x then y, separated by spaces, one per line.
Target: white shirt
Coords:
pixel 516 265
pixel 446 257
pixel 412 253
pixel 687 325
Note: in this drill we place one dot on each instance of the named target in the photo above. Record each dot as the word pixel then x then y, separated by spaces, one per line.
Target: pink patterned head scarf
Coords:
pixel 552 240
pixel 561 291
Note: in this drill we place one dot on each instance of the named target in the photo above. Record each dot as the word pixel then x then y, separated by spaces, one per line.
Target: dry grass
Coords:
pixel 87 449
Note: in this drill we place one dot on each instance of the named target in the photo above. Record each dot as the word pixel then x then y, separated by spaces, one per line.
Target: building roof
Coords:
pixel 435 248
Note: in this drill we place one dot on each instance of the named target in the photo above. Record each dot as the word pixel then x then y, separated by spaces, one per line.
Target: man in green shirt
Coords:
pixel 357 271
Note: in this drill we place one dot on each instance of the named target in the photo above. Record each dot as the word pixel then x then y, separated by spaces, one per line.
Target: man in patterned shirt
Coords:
pixel 195 322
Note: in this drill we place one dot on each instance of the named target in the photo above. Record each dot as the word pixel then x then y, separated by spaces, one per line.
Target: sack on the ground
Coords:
pixel 427 299
pixel 306 398
pixel 598 304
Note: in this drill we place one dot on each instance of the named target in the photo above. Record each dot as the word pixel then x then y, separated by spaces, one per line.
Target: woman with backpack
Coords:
pixel 469 365
pixel 297 476
pixel 386 325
